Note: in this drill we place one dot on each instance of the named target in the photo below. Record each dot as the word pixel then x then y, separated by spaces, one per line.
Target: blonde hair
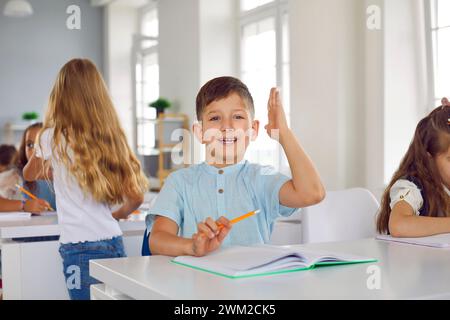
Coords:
pixel 86 125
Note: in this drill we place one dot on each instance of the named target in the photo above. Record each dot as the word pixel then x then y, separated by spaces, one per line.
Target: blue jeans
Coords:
pixel 76 258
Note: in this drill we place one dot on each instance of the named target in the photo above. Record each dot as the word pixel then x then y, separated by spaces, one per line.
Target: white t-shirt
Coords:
pixel 80 217
pixel 405 190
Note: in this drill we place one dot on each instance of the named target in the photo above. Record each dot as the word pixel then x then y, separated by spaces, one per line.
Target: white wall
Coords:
pixel 179 53
pixel 374 103
pixel 406 91
pixel 121 22
pixel 327 82
pixel 219 39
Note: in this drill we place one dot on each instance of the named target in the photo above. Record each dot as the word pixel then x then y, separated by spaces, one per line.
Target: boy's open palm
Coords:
pixel 277 117
pixel 210 236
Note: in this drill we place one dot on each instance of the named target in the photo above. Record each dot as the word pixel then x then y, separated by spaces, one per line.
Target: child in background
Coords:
pixel 11 199
pixel 93 168
pixel 192 213
pixel 8 176
pixel 8 155
pixel 42 189
pixel 417 201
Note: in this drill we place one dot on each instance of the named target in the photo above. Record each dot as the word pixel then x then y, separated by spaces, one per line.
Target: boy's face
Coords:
pixel 227 129
pixel 443 165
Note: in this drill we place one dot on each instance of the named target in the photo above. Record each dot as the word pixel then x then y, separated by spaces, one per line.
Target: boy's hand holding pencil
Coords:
pixel 211 234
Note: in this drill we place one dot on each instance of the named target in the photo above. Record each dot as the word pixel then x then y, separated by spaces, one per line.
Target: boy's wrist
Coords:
pixel 285 134
pixel 189 247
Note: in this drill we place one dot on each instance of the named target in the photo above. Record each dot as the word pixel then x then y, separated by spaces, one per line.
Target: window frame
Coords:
pixel 432 52
pixel 276 9
pixel 139 51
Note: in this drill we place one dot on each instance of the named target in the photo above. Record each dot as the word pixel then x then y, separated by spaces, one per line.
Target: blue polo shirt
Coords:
pixel 192 195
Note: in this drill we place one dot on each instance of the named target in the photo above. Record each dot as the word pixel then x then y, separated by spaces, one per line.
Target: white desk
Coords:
pixel 34 270
pixel 407 272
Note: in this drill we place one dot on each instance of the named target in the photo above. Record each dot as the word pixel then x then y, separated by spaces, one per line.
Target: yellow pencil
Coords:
pixel 239 219
pixel 31 195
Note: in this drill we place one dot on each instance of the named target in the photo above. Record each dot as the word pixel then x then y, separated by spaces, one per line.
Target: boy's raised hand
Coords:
pixel 210 236
pixel 277 118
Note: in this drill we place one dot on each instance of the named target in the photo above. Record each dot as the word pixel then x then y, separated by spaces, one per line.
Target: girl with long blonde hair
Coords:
pixel 84 148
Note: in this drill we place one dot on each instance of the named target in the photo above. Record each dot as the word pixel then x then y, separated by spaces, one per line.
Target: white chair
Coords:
pixel 287 231
pixel 343 215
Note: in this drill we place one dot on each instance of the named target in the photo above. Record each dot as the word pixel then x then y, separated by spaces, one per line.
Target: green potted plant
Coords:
pixel 160 105
pixel 30 116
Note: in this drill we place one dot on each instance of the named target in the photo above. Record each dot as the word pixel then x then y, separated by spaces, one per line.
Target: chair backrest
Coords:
pixel 343 215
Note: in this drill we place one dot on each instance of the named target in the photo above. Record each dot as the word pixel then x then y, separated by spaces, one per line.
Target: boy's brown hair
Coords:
pixel 8 155
pixel 220 88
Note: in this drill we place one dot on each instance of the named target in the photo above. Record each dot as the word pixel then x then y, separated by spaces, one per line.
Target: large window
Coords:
pixel 147 79
pixel 440 34
pixel 265 64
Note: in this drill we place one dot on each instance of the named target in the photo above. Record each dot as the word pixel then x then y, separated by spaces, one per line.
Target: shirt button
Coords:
pixel 221 172
pixel 221 191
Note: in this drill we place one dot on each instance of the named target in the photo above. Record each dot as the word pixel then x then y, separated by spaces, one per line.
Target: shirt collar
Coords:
pixel 447 191
pixel 225 171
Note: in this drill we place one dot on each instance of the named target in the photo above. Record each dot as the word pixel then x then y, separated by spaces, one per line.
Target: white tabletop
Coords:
pixel 44 226
pixel 407 272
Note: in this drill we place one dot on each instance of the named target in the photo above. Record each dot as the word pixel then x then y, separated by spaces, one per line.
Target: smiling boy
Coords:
pixel 192 213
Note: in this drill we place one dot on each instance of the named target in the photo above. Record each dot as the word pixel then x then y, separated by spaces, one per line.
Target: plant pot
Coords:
pixel 159 111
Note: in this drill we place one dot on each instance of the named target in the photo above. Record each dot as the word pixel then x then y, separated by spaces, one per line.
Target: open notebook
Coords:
pixel 243 262
pixel 438 241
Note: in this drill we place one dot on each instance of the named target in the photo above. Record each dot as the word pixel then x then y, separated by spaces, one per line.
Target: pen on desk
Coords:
pixel 30 195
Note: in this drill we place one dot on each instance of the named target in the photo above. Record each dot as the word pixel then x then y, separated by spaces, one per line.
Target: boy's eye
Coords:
pixel 239 117
pixel 214 119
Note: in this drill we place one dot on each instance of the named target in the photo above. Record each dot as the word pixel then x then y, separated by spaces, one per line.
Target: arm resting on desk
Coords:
pixel 404 223
pixel 210 234
pixel 10 205
pixel 164 239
